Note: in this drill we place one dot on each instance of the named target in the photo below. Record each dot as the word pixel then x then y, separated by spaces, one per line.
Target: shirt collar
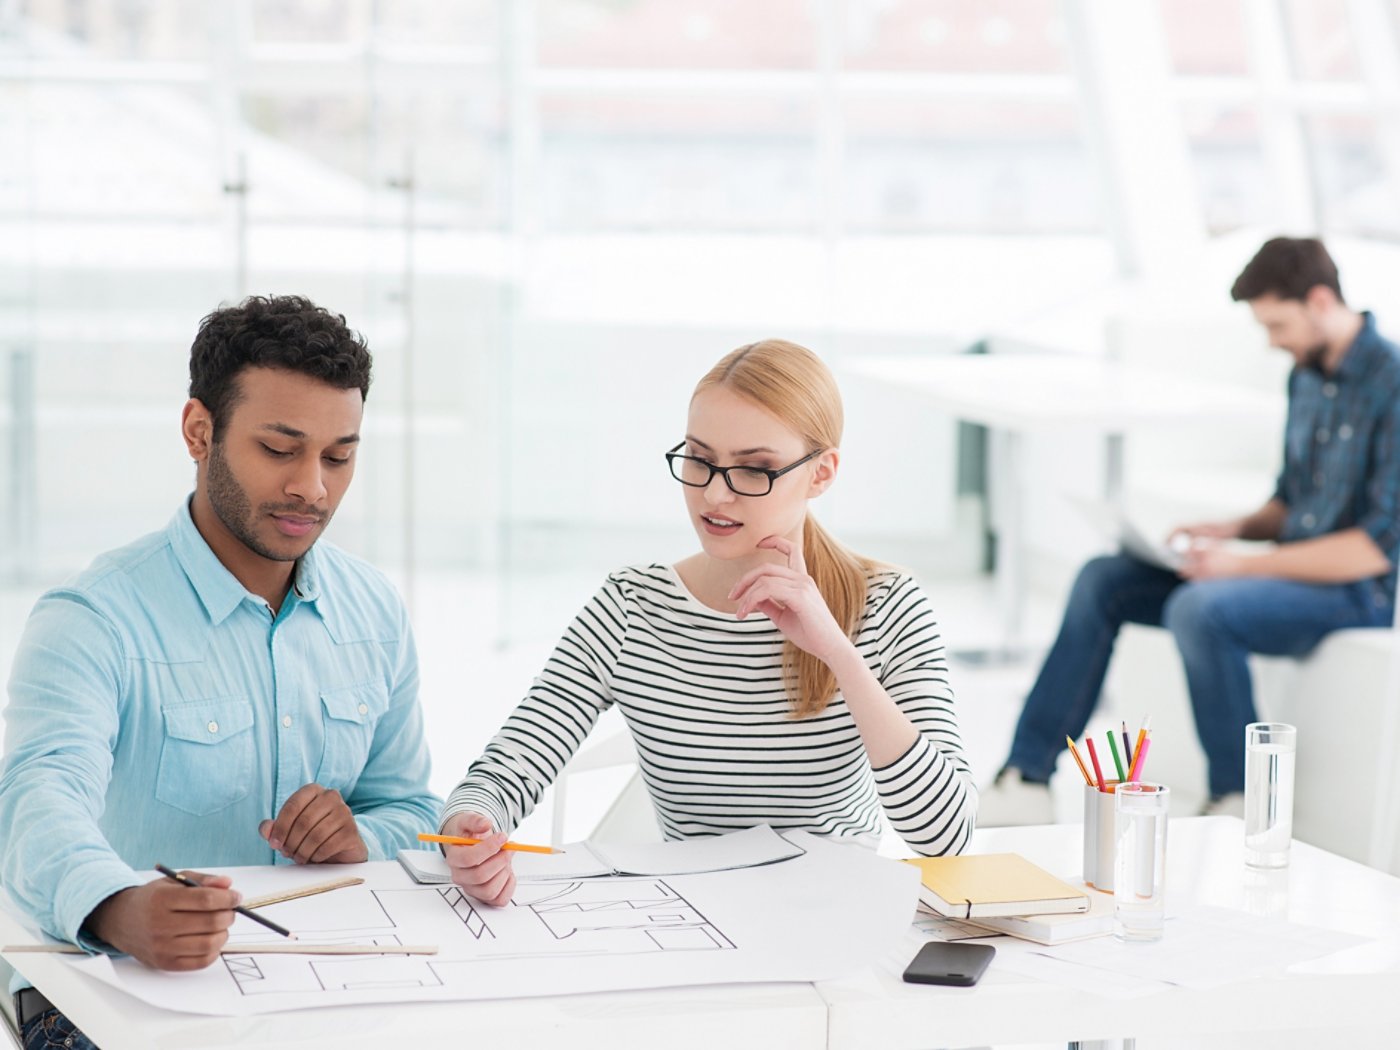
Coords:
pixel 218 589
pixel 1356 362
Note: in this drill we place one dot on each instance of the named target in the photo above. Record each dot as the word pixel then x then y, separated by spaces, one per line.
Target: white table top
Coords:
pixel 1037 392
pixel 1205 865
pixel 875 1009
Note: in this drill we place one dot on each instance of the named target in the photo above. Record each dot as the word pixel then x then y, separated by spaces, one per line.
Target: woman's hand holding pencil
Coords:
pixel 482 871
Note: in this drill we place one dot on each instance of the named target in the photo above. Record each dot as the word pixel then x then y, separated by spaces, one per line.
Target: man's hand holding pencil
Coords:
pixel 168 925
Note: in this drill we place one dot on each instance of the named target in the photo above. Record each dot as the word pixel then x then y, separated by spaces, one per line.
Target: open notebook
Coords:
pixel 581 860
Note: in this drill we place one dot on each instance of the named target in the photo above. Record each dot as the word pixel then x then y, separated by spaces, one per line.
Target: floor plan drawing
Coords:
pixel 805 918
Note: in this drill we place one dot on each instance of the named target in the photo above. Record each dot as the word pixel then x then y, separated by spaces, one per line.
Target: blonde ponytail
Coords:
pixel 841 576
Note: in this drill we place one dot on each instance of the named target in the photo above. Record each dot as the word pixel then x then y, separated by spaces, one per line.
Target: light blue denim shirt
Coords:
pixel 159 711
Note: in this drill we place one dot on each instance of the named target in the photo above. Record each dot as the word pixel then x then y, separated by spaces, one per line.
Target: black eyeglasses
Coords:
pixel 742 481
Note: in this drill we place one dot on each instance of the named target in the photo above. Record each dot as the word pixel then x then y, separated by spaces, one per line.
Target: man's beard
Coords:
pixel 232 507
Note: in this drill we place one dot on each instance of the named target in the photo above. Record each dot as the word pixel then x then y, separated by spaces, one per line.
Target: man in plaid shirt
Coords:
pixel 1334 520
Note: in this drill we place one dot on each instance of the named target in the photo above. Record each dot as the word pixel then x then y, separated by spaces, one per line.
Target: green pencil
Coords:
pixel 1113 746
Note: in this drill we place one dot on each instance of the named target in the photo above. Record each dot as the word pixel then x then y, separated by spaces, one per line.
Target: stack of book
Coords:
pixel 1006 893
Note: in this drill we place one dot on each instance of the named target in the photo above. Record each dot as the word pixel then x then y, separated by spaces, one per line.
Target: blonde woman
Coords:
pixel 772 678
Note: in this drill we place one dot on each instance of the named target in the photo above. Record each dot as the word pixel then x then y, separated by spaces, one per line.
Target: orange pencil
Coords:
pixel 1142 735
pixel 1079 762
pixel 1136 771
pixel 454 840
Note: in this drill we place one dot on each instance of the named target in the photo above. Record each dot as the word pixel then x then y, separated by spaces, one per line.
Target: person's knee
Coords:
pixel 1099 580
pixel 1193 611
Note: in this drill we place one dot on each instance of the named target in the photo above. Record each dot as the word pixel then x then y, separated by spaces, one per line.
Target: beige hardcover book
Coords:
pixel 1055 929
pixel 992 884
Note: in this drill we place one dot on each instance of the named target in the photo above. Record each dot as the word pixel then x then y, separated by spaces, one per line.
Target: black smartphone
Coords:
pixel 949 962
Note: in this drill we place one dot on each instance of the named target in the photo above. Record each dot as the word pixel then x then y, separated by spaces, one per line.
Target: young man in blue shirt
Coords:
pixel 226 691
pixel 1334 518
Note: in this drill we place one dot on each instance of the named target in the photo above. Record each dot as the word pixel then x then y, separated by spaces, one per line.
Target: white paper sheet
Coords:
pixel 1204 947
pixel 819 916
pixel 577 860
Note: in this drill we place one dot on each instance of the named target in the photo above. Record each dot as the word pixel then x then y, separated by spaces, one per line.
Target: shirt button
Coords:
pixel 364 709
pixel 213 727
pixel 1344 432
pixel 1329 389
pixel 1309 521
pixel 1323 434
pixel 286 721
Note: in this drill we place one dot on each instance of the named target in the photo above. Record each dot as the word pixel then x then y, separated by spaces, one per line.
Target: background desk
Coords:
pixel 1018 396
pixel 1205 865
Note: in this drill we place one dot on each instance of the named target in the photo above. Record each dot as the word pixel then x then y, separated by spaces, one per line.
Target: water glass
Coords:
pixel 1140 861
pixel 1270 751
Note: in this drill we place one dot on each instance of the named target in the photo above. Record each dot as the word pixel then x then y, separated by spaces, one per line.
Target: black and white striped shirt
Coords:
pixel 719 750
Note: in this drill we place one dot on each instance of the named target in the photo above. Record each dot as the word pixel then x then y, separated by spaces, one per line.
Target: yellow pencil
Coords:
pixel 1079 762
pixel 454 840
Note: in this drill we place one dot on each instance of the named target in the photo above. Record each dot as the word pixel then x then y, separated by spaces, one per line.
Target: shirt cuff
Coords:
pixel 79 894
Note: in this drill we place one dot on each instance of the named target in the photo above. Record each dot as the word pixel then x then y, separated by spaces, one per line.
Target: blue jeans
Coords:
pixel 52 1030
pixel 1216 625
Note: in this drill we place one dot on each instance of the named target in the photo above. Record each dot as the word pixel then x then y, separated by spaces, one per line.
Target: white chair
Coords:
pixel 589 784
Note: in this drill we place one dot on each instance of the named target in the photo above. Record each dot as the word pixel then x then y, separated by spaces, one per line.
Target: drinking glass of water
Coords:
pixel 1140 861
pixel 1270 749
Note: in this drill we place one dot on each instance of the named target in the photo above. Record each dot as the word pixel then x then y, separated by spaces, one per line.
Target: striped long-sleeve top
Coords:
pixel 718 747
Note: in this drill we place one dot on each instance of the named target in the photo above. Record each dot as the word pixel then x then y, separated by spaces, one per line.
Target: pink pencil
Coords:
pixel 1136 771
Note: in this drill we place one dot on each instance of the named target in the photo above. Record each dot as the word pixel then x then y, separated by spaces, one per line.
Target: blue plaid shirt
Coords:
pixel 1341 461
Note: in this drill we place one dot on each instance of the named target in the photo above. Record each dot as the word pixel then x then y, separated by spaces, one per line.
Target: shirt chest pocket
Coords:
pixel 349 715
pixel 206 758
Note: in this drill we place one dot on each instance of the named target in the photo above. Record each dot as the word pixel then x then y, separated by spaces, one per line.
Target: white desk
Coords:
pixel 1205 866
pixel 1020 396
pixel 876 1009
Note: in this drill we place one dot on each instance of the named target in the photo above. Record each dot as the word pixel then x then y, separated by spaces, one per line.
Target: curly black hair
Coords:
pixel 277 331
pixel 1288 267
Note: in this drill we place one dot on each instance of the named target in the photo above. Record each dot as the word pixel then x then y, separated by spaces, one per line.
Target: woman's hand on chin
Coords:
pixel 788 596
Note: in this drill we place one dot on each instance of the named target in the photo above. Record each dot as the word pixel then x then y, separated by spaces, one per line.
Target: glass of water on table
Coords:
pixel 1270 751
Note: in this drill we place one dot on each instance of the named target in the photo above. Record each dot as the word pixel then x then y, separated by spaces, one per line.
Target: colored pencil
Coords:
pixel 1142 735
pixel 1127 745
pixel 1079 762
pixel 1094 758
pixel 1137 762
pixel 1113 747
pixel 241 909
pixel 455 840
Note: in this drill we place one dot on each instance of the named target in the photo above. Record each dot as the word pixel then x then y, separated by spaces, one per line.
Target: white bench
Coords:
pixel 1338 696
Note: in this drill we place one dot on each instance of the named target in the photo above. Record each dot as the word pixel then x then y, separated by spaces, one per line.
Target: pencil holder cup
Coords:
pixel 1098 836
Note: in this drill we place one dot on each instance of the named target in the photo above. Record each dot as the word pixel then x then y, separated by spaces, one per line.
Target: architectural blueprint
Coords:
pixel 814 917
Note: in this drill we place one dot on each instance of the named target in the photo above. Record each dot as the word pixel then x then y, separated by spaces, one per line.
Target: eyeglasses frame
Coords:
pixel 773 475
